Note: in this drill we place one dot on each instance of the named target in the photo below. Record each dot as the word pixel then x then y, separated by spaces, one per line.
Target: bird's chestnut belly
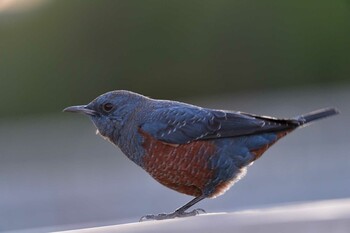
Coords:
pixel 184 168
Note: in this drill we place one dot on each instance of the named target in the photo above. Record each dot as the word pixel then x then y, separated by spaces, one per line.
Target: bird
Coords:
pixel 193 150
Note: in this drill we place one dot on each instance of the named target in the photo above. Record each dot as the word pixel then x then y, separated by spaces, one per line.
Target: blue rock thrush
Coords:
pixel 196 151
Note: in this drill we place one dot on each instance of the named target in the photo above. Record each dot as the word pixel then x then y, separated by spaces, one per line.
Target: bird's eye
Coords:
pixel 107 107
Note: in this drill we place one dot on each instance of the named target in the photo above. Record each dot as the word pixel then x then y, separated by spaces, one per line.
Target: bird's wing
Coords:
pixel 183 124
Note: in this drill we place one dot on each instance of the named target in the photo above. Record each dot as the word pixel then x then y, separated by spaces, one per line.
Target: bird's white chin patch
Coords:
pixel 104 137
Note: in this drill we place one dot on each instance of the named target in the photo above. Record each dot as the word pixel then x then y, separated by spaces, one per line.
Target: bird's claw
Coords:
pixel 199 211
pixel 176 214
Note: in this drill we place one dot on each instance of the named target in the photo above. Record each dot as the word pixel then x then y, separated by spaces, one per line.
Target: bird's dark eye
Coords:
pixel 107 107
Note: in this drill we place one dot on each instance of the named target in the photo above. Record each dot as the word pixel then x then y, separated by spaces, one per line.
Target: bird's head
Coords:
pixel 110 111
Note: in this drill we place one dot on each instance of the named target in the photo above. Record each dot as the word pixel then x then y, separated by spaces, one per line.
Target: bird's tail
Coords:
pixel 316 115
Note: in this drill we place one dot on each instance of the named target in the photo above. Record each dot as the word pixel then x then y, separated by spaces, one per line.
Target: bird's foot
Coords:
pixel 175 214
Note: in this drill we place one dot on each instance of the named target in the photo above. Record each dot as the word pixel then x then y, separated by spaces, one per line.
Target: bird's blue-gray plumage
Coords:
pixel 194 150
pixel 181 123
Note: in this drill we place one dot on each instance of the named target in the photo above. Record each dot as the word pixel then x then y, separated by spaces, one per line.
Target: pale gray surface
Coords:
pixel 318 217
pixel 56 173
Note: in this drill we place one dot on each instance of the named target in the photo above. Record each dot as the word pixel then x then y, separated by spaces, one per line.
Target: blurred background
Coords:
pixel 278 58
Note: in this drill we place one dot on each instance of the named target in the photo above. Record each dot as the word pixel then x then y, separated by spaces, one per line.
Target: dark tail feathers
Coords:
pixel 316 115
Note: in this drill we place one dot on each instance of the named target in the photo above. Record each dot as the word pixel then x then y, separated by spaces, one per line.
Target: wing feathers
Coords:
pixel 183 124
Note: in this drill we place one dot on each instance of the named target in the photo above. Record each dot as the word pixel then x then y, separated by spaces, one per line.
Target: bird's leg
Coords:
pixel 178 213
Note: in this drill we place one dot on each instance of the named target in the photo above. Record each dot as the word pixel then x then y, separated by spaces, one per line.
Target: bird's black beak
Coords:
pixel 81 109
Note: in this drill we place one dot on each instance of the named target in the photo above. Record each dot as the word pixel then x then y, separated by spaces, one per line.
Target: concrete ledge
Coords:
pixel 321 216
